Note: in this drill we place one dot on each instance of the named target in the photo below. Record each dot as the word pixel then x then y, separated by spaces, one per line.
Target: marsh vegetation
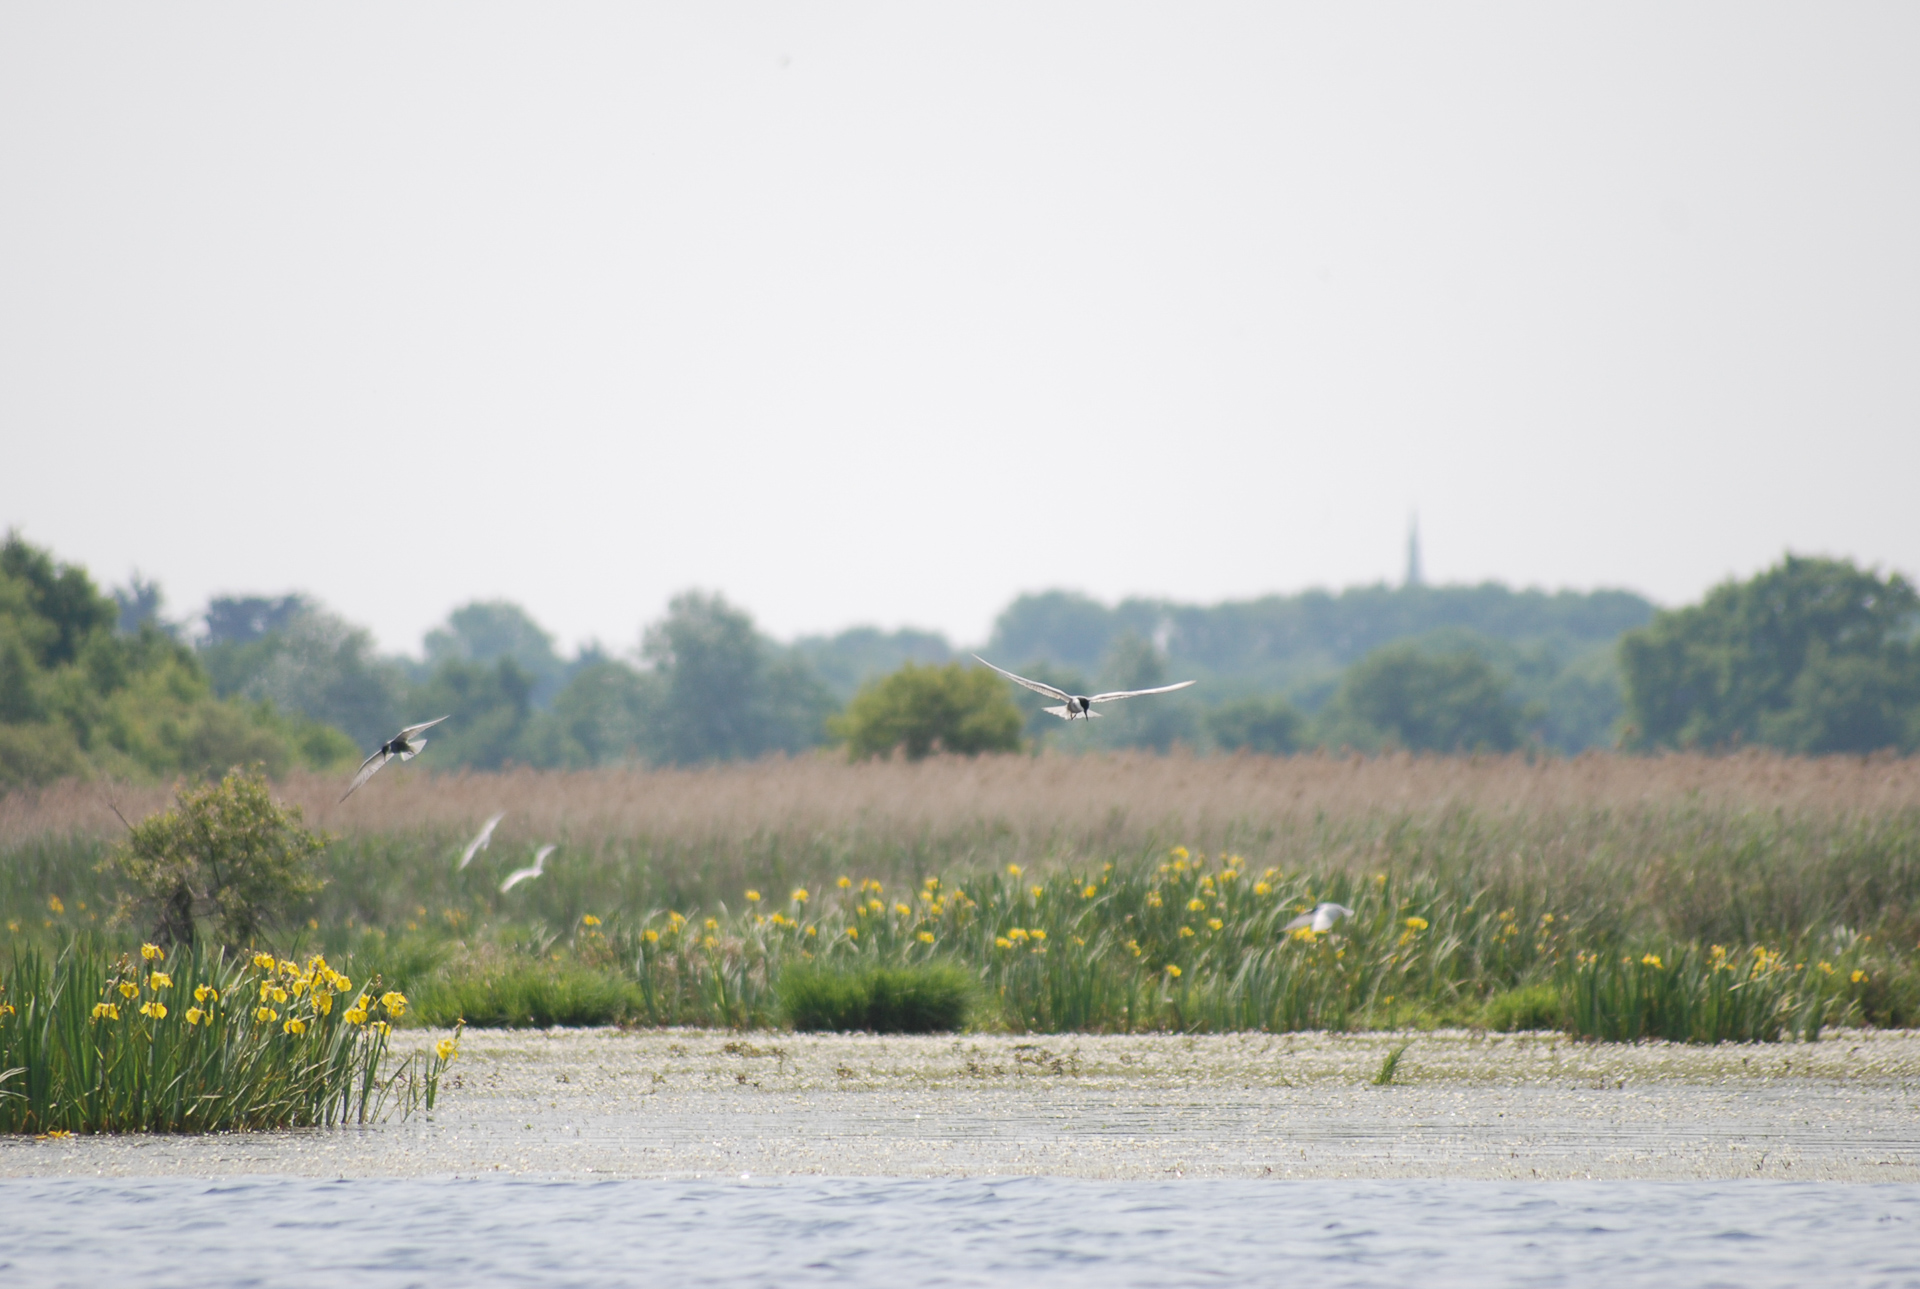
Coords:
pixel 1744 897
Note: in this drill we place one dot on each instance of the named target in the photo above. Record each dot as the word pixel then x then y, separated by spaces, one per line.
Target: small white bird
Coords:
pixel 1322 918
pixel 520 875
pixel 1079 706
pixel 481 842
pixel 406 745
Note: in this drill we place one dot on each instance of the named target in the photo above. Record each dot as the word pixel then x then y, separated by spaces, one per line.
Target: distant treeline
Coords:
pixel 1810 656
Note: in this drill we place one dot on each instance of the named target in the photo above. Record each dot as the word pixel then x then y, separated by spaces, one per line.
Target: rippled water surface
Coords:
pixel 1036 1231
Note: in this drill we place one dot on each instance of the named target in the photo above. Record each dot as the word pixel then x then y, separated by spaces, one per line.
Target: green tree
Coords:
pixel 724 692
pixel 931 709
pixel 491 706
pixel 1399 695
pixel 301 658
pixel 604 714
pixel 78 697
pixel 1268 724
pixel 1812 655
pixel 489 630
pixel 226 852
pixel 1133 662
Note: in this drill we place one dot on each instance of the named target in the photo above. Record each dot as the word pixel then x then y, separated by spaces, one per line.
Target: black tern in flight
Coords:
pixel 405 745
pixel 520 875
pixel 482 841
pixel 1079 706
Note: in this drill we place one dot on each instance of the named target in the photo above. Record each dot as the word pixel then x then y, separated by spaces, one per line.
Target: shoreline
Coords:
pixel 606 1103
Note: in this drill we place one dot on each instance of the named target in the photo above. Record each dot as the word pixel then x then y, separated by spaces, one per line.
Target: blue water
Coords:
pixel 1026 1231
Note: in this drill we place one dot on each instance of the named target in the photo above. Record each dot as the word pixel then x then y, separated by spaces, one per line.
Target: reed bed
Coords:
pixel 1049 803
pixel 1513 867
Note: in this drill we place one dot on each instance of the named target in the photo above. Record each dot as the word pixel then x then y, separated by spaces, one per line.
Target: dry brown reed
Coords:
pixel 1092 802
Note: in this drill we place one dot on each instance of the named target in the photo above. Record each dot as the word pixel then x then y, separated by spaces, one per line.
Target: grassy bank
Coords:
pixel 1110 893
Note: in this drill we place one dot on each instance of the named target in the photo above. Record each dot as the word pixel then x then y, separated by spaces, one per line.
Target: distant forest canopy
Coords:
pixel 1813 655
pixel 86 688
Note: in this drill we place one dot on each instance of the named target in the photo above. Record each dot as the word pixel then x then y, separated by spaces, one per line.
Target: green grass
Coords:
pixel 1390 1066
pixel 519 992
pixel 925 998
pixel 1531 1007
pixel 188 1042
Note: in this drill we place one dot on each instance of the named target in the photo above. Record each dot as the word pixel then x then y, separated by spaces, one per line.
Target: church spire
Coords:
pixel 1416 576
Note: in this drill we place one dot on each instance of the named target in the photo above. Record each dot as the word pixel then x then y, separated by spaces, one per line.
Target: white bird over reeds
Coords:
pixel 406 745
pixel 1079 706
pixel 482 841
pixel 530 872
pixel 1322 918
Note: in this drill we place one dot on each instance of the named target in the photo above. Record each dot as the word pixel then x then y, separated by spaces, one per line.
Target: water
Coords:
pixel 371 1234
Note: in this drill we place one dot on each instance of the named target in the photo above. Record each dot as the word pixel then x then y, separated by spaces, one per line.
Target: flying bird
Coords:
pixel 1079 706
pixel 1322 918
pixel 520 875
pixel 481 842
pixel 406 745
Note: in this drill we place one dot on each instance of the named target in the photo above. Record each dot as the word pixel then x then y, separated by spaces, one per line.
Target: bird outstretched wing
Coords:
pixel 1038 687
pixel 411 730
pixel 368 768
pixel 1305 919
pixel 482 841
pixel 1136 693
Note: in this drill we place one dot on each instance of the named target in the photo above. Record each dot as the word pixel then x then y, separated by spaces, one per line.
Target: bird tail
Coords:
pixel 417 744
pixel 1060 711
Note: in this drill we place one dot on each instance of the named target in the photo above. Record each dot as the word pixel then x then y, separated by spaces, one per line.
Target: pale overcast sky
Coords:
pixel 886 312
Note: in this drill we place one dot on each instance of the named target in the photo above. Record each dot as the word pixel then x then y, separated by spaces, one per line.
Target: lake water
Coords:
pixel 370 1234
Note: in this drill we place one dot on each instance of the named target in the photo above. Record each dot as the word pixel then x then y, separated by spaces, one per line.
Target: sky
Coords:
pixel 886 313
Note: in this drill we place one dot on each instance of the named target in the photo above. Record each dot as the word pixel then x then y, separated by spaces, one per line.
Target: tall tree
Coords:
pixel 1812 655
pixel 1400 695
pixel 724 693
pixel 489 630
pixel 76 696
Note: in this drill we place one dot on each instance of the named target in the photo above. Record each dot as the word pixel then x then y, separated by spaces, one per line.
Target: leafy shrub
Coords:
pixel 923 998
pixel 227 852
pixel 927 709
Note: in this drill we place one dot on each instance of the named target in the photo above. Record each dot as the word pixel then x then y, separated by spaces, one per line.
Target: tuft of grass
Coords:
pixel 921 998
pixel 1531 1007
pixel 1387 1067
pixel 519 992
